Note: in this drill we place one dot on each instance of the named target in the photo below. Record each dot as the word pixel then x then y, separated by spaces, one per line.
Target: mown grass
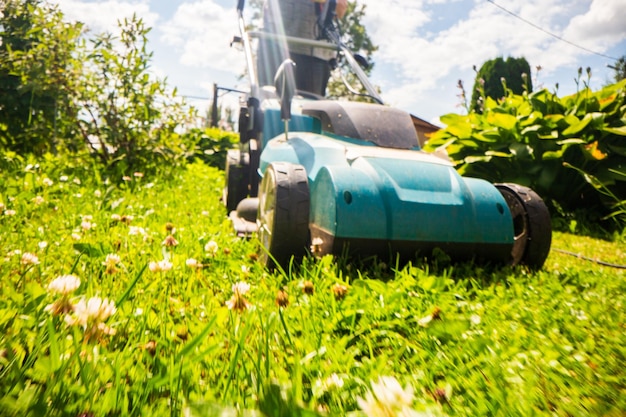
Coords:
pixel 461 339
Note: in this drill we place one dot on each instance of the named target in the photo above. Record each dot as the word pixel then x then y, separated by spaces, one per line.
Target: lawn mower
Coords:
pixel 318 176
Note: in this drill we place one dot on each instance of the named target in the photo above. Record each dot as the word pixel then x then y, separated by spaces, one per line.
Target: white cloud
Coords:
pixel 426 46
pixel 103 16
pixel 420 49
pixel 202 31
pixel 600 26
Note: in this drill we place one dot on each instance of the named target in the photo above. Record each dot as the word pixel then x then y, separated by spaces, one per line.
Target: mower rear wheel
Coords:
pixel 532 226
pixel 237 174
pixel 283 217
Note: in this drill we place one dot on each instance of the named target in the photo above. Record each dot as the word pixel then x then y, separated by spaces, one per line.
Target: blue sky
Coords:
pixel 425 46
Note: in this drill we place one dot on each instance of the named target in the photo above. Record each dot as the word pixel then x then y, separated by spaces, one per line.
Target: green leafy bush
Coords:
pixel 211 144
pixel 38 76
pixel 129 119
pixel 94 100
pixel 571 150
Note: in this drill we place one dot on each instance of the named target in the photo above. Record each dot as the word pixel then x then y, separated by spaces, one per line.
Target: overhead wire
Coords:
pixel 550 33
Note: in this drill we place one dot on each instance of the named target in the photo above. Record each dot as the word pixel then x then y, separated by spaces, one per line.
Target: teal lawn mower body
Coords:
pixel 321 177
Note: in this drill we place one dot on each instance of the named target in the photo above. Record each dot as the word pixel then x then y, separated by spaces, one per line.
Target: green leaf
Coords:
pixel 505 121
pixel 90 250
pixel 616 130
pixel 572 141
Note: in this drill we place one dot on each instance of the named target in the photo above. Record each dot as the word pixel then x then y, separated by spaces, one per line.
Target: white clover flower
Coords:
pixel 238 302
pixel 241 288
pixel 87 225
pixel 76 181
pixel 116 217
pixel 91 312
pixel 110 262
pixel 63 178
pixel 76 236
pixel 136 230
pixel 211 247
pixel 160 266
pixel 193 263
pixel 38 200
pixel 64 284
pixel 387 398
pixel 47 182
pixel 10 212
pixel 43 244
pixel 29 259
pixel 97 193
pixel 334 381
pixel 170 241
pixel 112 259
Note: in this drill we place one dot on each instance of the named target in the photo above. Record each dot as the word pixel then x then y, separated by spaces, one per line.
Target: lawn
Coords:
pixel 138 299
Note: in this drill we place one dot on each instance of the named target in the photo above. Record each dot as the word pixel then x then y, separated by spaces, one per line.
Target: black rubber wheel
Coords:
pixel 532 226
pixel 237 174
pixel 283 216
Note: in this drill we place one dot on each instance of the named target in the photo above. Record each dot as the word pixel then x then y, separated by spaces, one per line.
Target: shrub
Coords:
pixel 211 145
pixel 571 150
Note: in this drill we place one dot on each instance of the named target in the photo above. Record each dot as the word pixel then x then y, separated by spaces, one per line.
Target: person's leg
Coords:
pixel 311 73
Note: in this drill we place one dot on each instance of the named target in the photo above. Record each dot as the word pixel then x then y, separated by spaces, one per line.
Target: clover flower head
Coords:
pixel 87 225
pixel 136 230
pixel 64 284
pixel 170 241
pixel 160 266
pixel 193 263
pixel 282 298
pixel 340 291
pixel 387 398
pixel 91 312
pixel 110 262
pixel 112 259
pixel 238 301
pixel 29 259
pixel 97 308
pixel 47 182
pixel 334 381
pixel 211 247
pixel 91 315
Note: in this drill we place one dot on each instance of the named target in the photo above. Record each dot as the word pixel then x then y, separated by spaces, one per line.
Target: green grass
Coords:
pixel 463 339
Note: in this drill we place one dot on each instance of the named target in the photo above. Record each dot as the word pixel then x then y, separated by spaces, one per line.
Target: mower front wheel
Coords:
pixel 532 226
pixel 283 216
pixel 237 174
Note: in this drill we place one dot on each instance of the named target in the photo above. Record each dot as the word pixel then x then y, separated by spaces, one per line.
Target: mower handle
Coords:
pixel 240 4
